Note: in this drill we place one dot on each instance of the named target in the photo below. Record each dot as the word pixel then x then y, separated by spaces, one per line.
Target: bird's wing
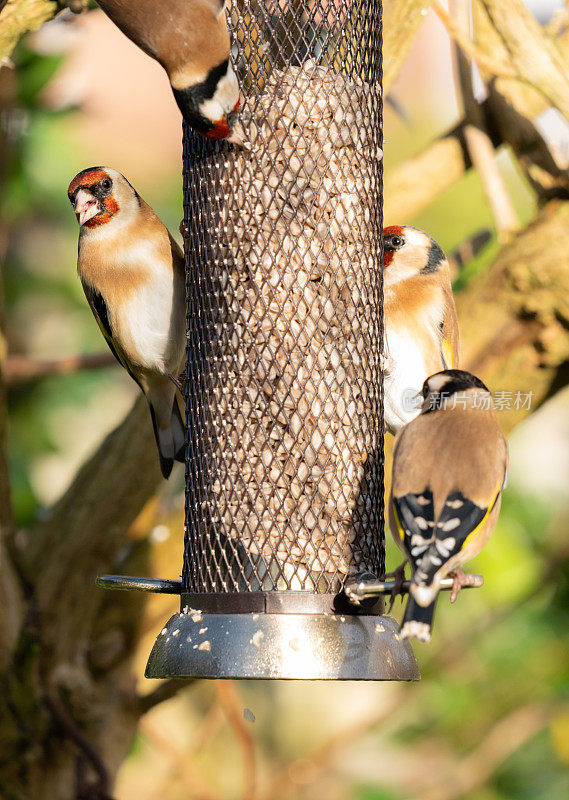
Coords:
pixel 178 262
pixel 459 522
pixel 449 328
pixel 414 517
pixel 101 314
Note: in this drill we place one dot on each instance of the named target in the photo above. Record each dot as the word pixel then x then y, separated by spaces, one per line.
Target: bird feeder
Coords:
pixel 284 460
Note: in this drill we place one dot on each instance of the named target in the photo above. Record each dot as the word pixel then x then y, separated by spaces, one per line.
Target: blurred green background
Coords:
pixel 490 718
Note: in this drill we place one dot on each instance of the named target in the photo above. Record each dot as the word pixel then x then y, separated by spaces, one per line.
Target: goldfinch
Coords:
pixel 189 38
pixel 421 327
pixel 449 468
pixel 133 276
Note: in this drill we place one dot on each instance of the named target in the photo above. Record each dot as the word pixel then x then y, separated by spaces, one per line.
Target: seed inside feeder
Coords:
pixel 296 416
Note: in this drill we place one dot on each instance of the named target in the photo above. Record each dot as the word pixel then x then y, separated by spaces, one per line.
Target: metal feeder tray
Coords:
pixel 294 635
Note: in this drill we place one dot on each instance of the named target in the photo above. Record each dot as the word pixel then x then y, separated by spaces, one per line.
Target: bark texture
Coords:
pixel 69 711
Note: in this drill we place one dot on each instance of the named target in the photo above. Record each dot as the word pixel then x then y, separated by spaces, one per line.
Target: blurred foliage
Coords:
pixel 44 301
pixel 498 650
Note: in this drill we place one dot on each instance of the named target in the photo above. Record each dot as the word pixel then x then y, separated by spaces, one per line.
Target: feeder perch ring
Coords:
pixel 363 590
pixel 152 585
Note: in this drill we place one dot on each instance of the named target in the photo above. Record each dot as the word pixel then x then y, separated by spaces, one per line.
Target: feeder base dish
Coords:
pixel 293 646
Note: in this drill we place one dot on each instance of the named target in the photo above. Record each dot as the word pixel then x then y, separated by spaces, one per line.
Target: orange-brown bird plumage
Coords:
pixel 132 272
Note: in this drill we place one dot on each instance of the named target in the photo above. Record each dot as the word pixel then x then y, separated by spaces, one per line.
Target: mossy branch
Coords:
pixel 17 18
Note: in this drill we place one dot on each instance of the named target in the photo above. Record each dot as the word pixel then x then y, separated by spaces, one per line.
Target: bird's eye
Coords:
pixel 397 241
pixel 106 183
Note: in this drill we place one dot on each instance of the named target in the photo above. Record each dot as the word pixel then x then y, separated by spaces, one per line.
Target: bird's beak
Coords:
pixel 222 131
pixel 234 138
pixel 86 206
pixel 223 128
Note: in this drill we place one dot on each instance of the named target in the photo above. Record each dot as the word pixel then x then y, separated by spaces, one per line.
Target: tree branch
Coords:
pixel 306 769
pixel 507 30
pixel 164 691
pixel 87 526
pixel 507 736
pixel 72 732
pixel 19 17
pixel 444 161
pixel 229 700
pixel 23 369
pixel 480 146
pixel 81 642
pixel 536 160
pixel 483 60
pixel 409 187
pixel 192 780
pixel 515 319
pixel 11 599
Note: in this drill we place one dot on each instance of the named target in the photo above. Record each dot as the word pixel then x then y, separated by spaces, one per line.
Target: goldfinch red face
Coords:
pixel 98 195
pixel 223 127
pixel 408 252
pixel 91 195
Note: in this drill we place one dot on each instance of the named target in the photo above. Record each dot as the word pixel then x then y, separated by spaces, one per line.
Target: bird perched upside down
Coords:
pixel 421 327
pixel 132 273
pixel 449 468
pixel 189 38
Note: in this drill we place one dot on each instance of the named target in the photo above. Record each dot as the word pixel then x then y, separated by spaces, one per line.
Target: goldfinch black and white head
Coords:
pixel 409 252
pixel 440 390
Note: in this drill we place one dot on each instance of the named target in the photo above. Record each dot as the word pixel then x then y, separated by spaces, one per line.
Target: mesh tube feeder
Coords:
pixel 284 462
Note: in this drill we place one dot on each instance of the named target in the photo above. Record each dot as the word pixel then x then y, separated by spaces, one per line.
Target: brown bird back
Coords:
pixel 451 449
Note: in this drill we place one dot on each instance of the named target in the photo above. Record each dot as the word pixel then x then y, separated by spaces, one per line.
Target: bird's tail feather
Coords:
pixel 170 441
pixel 166 460
pixel 418 620
pixel 178 427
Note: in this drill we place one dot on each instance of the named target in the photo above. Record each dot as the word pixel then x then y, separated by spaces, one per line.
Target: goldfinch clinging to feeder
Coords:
pixel 189 38
pixel 132 273
pixel 421 327
pixel 449 468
